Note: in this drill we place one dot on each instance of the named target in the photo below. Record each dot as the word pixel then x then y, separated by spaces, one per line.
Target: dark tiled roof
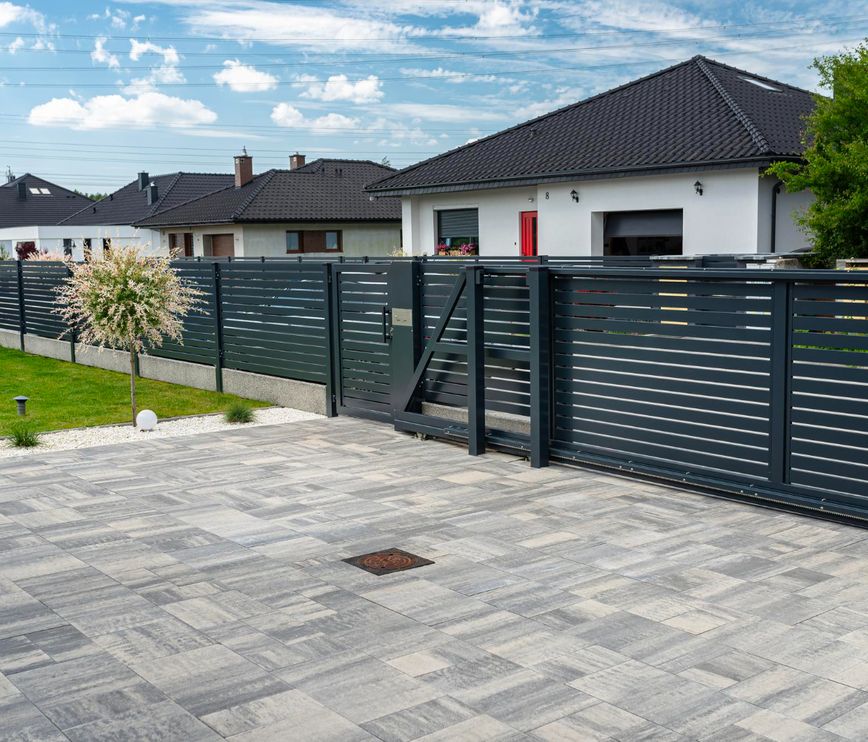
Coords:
pixel 698 112
pixel 37 211
pixel 321 191
pixel 129 204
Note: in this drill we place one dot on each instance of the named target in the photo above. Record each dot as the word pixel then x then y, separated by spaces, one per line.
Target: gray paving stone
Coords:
pixel 196 591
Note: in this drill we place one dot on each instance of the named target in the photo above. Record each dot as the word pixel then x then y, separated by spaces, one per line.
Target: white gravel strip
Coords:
pixel 110 434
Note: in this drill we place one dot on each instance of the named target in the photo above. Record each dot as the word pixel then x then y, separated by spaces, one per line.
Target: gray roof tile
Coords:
pixel 695 113
pixel 324 190
pixel 37 210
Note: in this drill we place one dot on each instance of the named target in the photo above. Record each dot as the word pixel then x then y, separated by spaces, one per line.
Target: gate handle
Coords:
pixel 387 315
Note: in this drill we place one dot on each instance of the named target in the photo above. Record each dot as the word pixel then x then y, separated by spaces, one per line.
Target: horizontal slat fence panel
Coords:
pixel 670 371
pixel 41 281
pixel 274 319
pixel 10 318
pixel 199 340
pixel 829 418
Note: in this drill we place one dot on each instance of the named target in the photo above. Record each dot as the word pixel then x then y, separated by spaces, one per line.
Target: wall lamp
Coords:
pixel 574 194
pixel 697 186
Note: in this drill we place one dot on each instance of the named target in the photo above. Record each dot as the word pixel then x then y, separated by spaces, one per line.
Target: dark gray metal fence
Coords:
pixel 742 382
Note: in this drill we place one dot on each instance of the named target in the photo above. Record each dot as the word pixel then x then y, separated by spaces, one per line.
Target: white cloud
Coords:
pixel 244 78
pixel 442 112
pixel 148 110
pixel 452 76
pixel 101 55
pixel 19 43
pixel 285 115
pixel 300 26
pixel 166 72
pixel 11 13
pixel 340 87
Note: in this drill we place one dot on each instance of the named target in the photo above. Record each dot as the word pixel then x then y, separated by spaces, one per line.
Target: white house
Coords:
pixel 30 208
pixel 320 208
pixel 110 221
pixel 669 164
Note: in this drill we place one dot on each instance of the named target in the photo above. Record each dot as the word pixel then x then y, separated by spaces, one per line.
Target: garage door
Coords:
pixel 223 245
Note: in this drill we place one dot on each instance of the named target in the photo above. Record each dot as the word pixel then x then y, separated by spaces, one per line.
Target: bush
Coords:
pixel 23 435
pixel 239 412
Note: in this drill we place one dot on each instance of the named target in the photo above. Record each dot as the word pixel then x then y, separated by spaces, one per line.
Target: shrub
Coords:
pixel 239 412
pixel 23 435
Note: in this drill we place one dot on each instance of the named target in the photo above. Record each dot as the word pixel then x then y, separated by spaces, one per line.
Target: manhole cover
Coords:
pixel 387 561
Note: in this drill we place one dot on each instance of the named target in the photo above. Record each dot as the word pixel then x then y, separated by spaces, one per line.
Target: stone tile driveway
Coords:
pixel 193 589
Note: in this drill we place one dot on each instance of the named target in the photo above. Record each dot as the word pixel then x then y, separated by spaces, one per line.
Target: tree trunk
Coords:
pixel 133 383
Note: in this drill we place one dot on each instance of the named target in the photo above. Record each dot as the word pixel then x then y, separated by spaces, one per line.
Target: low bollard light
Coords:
pixel 21 401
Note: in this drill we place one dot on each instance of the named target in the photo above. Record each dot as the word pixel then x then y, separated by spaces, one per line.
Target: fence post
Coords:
pixel 218 326
pixel 405 346
pixel 331 367
pixel 539 285
pixel 781 381
pixel 475 360
pixel 22 321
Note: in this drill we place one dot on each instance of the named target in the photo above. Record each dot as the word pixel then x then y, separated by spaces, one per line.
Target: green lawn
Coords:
pixel 66 395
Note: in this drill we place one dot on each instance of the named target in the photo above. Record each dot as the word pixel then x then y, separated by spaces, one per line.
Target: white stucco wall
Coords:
pixel 727 218
pixel 50 238
pixel 255 240
pixel 789 235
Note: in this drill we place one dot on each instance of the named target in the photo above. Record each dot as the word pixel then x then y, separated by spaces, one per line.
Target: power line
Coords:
pixel 511 73
pixel 416 37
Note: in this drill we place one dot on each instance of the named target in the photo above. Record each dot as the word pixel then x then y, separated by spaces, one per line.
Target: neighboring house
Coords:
pixel 110 220
pixel 315 208
pixel 30 207
pixel 671 163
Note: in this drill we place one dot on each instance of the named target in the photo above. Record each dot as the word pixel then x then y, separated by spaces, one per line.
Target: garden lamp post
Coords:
pixel 21 401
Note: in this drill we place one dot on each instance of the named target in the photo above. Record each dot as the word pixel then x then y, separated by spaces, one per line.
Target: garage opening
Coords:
pixel 643 232
pixel 219 245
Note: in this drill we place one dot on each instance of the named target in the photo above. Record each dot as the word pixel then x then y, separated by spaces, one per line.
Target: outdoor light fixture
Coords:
pixel 22 405
pixel 697 186
pixel 146 420
pixel 530 200
pixel 574 194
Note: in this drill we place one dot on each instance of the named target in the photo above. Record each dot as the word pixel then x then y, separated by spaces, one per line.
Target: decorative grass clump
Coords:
pixel 239 412
pixel 23 435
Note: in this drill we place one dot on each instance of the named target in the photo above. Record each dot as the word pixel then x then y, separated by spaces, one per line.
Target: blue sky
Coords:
pixel 90 93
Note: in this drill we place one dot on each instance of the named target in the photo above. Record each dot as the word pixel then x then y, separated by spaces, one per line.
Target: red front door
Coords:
pixel 528 233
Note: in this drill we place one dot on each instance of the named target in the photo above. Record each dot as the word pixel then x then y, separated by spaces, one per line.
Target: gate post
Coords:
pixel 404 279
pixel 475 360
pixel 780 381
pixel 22 321
pixel 330 357
pixel 539 285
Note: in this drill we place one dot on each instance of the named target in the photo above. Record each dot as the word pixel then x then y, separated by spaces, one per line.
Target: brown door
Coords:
pixel 222 245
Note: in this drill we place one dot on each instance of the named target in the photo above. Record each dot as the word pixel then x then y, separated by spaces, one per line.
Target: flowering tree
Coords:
pixel 126 301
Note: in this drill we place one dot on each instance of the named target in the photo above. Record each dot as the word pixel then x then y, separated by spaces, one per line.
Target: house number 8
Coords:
pixel 547 195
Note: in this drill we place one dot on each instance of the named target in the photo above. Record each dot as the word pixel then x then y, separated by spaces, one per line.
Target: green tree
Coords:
pixel 126 301
pixel 835 166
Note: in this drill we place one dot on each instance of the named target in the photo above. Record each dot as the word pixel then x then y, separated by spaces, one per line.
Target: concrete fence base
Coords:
pixel 299 395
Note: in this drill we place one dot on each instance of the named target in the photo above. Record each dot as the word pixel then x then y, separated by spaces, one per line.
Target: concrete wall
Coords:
pixel 727 218
pixel 300 395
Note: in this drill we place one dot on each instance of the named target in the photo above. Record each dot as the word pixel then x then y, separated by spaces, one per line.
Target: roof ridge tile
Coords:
pixel 752 129
pixel 266 179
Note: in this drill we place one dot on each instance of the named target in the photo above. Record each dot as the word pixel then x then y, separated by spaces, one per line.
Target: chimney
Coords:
pixel 143 180
pixel 152 194
pixel 10 176
pixel 296 161
pixel 243 168
pixel 22 190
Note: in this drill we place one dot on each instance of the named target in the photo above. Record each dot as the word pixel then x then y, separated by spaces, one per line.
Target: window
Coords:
pixel 68 244
pixel 457 227
pixel 314 240
pixel 106 245
pixel 643 232
pixel 188 244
